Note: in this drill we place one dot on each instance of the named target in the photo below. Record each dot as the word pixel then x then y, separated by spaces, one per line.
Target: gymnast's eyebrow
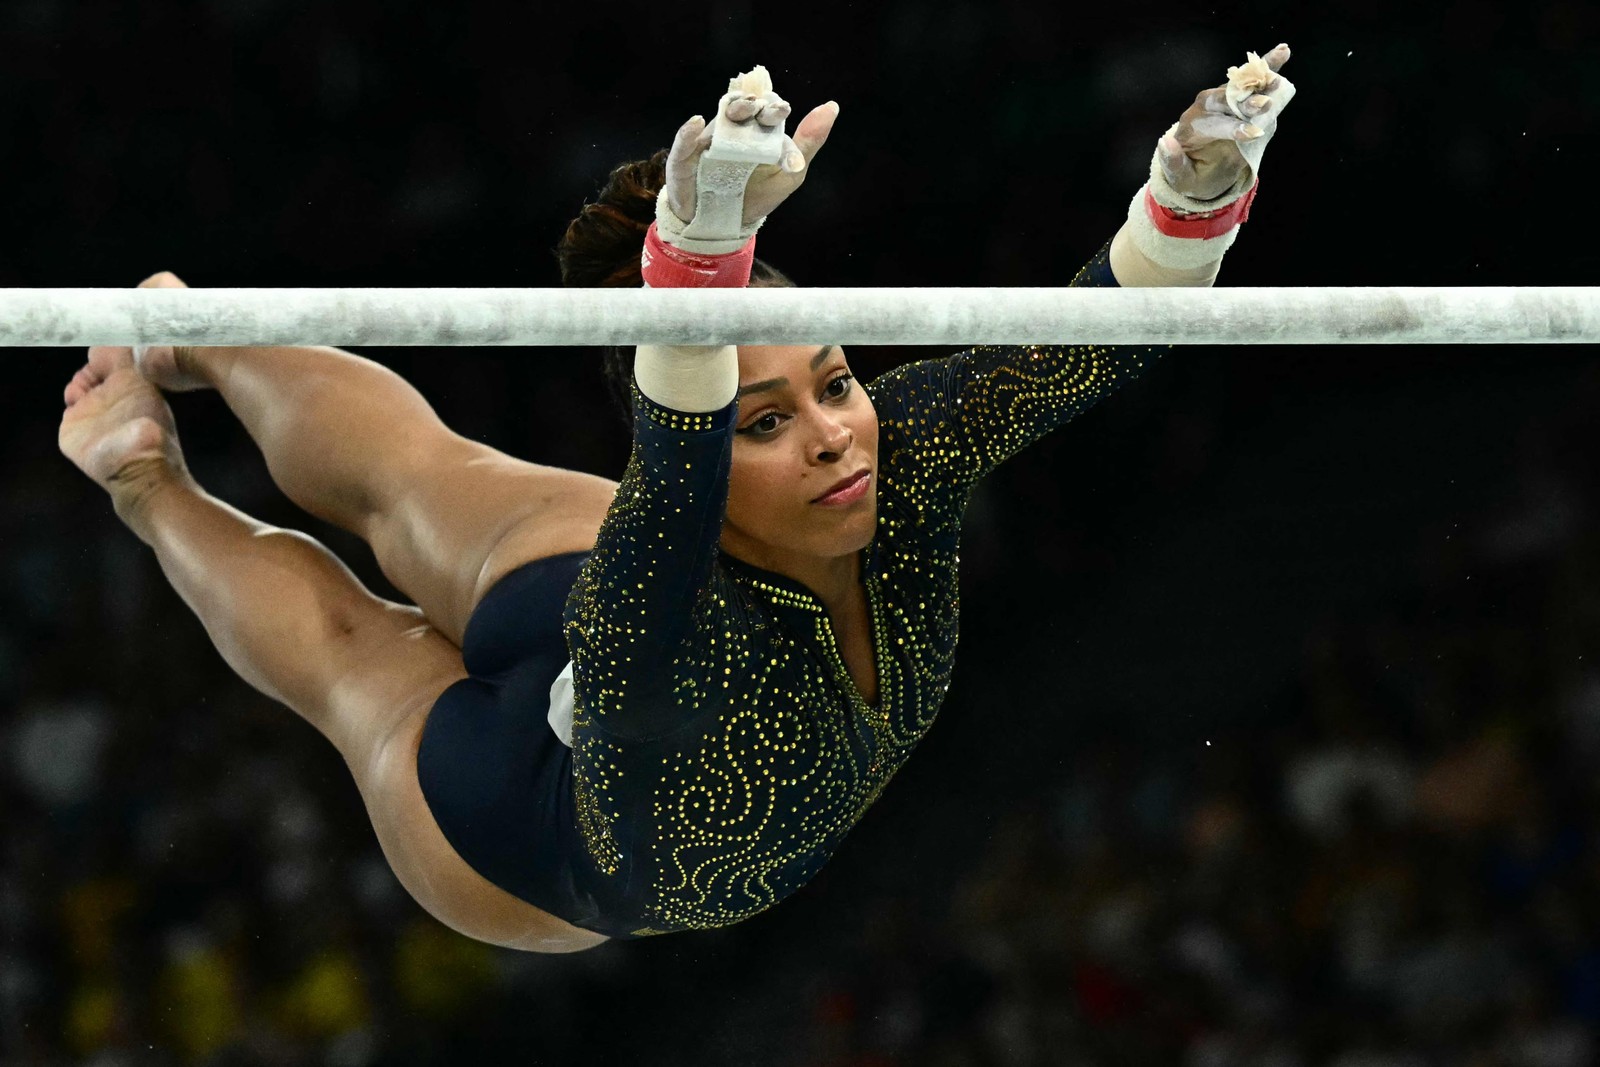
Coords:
pixel 756 387
pixel 771 383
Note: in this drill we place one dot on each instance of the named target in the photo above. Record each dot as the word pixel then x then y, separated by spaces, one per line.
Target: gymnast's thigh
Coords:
pixel 469 515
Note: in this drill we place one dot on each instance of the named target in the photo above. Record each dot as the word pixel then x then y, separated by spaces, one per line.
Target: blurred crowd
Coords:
pixel 1401 870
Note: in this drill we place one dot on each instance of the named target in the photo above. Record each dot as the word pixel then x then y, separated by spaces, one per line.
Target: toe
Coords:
pixel 79 387
pixel 105 360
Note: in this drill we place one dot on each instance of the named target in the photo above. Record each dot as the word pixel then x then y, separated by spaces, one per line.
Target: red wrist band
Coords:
pixel 667 267
pixel 1202 225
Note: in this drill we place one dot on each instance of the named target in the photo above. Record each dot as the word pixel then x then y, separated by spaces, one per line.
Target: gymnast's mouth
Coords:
pixel 849 490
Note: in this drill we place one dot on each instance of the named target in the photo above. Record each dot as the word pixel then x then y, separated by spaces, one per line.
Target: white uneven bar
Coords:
pixel 1276 316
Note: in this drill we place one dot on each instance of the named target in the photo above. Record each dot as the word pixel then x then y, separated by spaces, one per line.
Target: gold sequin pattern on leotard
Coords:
pixel 761 754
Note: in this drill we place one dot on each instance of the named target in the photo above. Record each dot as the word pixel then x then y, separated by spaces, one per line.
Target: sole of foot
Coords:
pixel 117 424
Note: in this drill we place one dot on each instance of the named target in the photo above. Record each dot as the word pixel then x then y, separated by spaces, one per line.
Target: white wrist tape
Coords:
pixel 718 211
pixel 1176 253
pixel 1180 253
pixel 690 378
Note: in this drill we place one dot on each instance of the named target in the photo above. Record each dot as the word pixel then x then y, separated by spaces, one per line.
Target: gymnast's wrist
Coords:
pixel 1228 215
pixel 1181 233
pixel 664 265
pixel 692 379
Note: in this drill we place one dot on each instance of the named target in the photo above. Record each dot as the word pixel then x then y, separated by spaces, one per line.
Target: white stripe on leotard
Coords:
pixel 560 715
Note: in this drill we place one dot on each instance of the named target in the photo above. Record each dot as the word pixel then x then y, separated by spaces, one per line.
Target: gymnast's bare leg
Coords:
pixel 353 443
pixel 298 626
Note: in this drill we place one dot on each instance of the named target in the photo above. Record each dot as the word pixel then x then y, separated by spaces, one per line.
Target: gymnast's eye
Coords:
pixel 764 425
pixel 839 387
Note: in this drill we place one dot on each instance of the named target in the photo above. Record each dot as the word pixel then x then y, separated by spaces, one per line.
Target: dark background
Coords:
pixel 1273 735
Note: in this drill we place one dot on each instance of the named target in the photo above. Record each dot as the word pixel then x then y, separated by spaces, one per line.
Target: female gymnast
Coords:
pixel 636 708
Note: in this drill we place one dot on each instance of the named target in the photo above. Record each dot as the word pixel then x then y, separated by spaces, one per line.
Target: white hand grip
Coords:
pixel 748 142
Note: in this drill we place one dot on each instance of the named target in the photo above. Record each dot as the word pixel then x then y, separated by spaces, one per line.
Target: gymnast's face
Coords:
pixel 803 491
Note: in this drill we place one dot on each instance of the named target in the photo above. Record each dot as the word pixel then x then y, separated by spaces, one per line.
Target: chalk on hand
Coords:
pixel 1246 81
pixel 747 142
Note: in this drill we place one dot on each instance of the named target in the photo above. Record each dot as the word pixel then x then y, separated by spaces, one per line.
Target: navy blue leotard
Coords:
pixel 720 749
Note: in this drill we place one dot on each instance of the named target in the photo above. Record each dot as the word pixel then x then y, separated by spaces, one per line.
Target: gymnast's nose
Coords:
pixel 833 440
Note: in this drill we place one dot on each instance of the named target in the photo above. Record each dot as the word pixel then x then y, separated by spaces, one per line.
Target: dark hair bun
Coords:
pixel 601 246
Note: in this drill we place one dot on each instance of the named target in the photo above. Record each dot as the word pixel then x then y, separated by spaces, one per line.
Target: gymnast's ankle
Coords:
pixel 137 486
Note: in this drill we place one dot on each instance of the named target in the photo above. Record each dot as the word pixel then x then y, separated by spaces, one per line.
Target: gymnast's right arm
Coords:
pixel 645 592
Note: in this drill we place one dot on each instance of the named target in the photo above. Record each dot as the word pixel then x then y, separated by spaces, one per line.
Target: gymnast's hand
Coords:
pixel 751 101
pixel 1226 129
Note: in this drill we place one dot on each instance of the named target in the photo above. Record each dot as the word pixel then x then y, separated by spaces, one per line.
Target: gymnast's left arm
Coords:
pixel 1203 179
pixel 964 415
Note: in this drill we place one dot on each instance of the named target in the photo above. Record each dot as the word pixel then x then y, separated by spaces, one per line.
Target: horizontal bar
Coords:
pixel 1252 316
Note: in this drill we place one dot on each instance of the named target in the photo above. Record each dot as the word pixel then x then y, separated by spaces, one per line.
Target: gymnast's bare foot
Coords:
pixel 164 366
pixel 119 431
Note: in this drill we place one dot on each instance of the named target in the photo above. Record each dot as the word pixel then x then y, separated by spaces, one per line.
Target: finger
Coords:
pixel 1277 57
pixel 742 109
pixel 691 141
pixel 813 131
pixel 688 142
pixel 773 113
pixel 1209 104
pixel 1215 101
pixel 1217 128
pixel 793 161
pixel 1175 163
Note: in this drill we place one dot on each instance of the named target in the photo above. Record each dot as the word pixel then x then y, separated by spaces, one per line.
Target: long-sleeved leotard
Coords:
pixel 721 750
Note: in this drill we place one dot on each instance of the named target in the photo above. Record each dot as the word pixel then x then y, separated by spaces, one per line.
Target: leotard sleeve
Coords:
pixel 945 423
pixel 646 592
